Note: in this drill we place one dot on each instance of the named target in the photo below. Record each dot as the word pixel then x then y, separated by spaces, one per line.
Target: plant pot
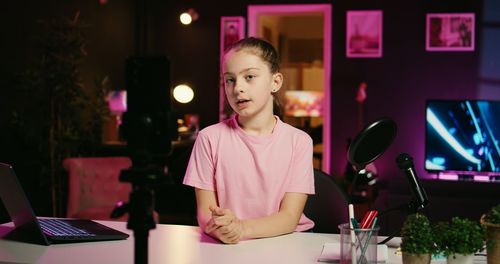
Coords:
pixel 416 259
pixel 493 241
pixel 460 259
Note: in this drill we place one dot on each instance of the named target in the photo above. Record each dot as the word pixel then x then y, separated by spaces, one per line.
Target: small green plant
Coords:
pixel 491 222
pixel 493 215
pixel 417 235
pixel 460 236
pixel 439 230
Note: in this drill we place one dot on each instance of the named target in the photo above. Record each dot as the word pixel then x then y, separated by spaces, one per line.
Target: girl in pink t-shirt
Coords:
pixel 252 173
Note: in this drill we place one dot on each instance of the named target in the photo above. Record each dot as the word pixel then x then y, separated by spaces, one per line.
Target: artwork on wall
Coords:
pixel 450 32
pixel 232 29
pixel 364 34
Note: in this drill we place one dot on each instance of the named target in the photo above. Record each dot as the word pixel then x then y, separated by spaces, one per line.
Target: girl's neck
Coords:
pixel 259 126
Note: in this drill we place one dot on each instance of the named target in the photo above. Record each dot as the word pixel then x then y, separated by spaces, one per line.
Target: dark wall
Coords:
pixel 110 35
pixel 110 39
pixel 398 83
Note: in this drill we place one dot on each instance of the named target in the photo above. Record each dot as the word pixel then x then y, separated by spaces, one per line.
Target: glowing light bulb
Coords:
pixel 183 93
pixel 186 18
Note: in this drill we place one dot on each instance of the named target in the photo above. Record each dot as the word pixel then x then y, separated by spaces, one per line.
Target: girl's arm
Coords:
pixel 233 229
pixel 204 200
pixel 283 222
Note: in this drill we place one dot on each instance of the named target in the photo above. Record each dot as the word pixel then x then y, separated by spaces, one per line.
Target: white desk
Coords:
pixel 175 244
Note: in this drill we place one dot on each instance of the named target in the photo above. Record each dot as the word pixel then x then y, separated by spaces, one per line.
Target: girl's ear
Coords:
pixel 277 82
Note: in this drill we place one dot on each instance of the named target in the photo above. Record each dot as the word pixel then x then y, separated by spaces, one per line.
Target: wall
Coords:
pixel 398 83
pixel 110 40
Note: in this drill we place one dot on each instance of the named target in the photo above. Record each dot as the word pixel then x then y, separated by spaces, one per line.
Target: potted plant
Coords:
pixel 417 240
pixel 459 240
pixel 491 220
pixel 60 117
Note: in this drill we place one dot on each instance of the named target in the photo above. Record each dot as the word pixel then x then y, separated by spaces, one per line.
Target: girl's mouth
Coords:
pixel 242 103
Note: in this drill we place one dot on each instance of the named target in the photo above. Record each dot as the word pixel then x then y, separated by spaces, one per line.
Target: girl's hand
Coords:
pixel 225 226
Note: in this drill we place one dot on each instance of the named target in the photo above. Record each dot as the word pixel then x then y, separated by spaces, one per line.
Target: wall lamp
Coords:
pixel 183 93
pixel 189 16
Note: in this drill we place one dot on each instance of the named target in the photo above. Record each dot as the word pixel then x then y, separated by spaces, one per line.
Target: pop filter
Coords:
pixel 371 142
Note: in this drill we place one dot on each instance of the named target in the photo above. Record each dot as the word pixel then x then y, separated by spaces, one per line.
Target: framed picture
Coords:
pixel 364 34
pixel 232 29
pixel 450 32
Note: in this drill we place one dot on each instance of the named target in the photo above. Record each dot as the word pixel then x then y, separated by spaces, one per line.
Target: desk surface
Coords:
pixel 175 244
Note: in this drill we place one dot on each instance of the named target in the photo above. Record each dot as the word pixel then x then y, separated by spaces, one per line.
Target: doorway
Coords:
pixel 302 35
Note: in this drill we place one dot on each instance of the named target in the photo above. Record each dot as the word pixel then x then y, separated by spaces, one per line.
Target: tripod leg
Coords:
pixel 141 246
pixel 389 238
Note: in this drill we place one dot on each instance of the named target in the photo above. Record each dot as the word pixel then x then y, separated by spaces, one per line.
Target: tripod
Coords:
pixel 140 206
pixel 409 208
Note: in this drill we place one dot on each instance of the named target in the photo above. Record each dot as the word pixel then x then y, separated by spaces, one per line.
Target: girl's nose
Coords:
pixel 238 88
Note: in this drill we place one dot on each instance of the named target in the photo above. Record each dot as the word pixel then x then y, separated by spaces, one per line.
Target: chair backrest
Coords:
pixel 328 207
pixel 94 187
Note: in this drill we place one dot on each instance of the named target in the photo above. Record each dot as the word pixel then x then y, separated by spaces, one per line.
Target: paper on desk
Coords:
pixel 331 253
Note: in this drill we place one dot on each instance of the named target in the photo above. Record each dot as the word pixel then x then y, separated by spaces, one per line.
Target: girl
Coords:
pixel 252 172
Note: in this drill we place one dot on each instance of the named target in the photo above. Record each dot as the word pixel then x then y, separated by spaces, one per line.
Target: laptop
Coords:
pixel 45 231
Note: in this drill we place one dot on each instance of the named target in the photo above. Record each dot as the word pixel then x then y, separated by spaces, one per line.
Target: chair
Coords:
pixel 176 202
pixel 94 186
pixel 328 207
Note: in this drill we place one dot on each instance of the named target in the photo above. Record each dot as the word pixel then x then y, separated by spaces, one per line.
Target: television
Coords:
pixel 302 103
pixel 462 137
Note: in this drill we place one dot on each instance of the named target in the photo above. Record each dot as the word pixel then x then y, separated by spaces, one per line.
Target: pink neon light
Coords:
pixel 449 177
pixel 117 101
pixel 326 9
pixel 455 177
pixel 481 178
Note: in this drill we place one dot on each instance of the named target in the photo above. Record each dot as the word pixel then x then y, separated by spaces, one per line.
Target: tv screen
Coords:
pixel 304 103
pixel 462 136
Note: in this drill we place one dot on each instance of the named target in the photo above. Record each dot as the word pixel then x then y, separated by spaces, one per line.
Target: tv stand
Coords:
pixel 468 177
pixel 495 178
pixel 465 177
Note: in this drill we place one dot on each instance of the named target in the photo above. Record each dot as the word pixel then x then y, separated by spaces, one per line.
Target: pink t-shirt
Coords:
pixel 251 174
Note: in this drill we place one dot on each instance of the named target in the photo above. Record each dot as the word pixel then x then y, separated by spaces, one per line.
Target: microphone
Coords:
pixel 405 163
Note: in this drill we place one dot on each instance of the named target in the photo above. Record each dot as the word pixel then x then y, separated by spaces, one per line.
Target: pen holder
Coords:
pixel 358 246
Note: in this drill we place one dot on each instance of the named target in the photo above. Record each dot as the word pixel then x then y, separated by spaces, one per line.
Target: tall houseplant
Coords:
pixel 58 115
pixel 417 239
pixel 491 220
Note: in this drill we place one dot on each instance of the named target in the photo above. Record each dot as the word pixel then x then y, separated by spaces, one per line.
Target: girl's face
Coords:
pixel 249 83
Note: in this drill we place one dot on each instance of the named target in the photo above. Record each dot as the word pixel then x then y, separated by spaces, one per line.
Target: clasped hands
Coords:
pixel 224 225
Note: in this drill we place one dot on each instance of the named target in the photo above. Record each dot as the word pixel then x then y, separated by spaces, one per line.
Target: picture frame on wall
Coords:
pixel 232 29
pixel 364 34
pixel 450 32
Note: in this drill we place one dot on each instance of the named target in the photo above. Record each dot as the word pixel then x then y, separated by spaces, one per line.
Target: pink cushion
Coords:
pixel 99 213
pixel 94 184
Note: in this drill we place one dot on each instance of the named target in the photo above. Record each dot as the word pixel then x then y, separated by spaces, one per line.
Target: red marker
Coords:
pixel 368 219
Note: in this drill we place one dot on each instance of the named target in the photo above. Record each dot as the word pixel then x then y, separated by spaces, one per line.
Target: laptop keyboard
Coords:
pixel 56 227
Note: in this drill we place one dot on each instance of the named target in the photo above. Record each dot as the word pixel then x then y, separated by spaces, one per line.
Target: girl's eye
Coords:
pixel 249 77
pixel 229 81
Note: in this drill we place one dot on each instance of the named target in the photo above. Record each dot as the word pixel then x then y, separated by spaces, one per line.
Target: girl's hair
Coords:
pixel 258 47
pixel 267 53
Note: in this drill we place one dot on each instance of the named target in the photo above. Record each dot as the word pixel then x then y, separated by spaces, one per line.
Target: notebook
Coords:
pixel 45 231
